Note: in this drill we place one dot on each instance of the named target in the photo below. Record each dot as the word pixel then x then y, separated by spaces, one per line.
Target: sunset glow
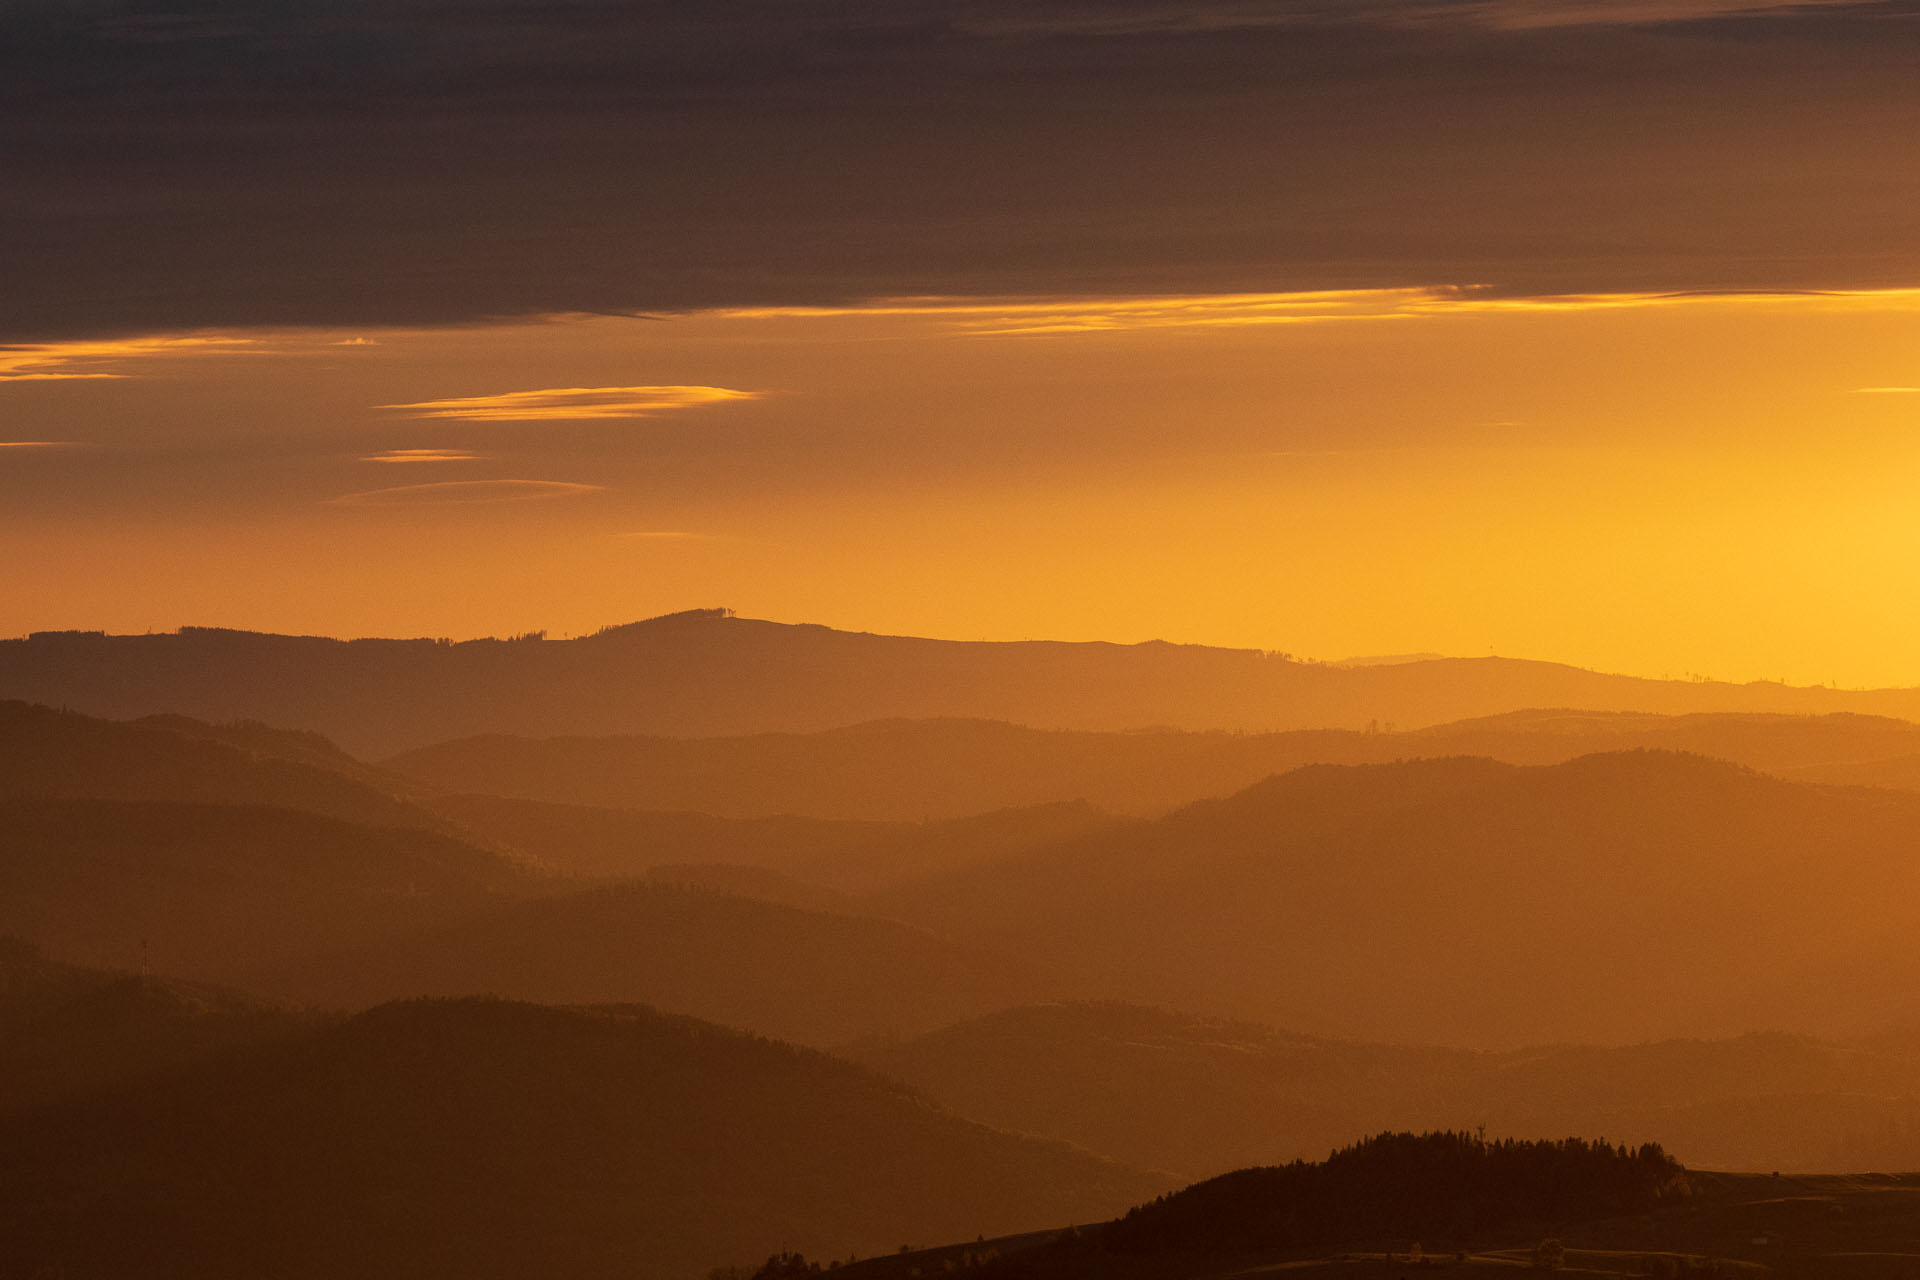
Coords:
pixel 1325 473
pixel 959 639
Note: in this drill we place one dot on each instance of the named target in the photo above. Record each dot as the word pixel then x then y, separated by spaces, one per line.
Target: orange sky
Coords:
pixel 1713 485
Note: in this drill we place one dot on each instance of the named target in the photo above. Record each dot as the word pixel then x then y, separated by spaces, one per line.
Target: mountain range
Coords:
pixel 705 673
pixel 904 770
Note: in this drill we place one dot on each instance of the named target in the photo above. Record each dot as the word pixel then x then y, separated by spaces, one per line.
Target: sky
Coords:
pixel 1584 331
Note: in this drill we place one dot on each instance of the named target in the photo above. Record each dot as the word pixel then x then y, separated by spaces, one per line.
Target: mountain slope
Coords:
pixel 1613 898
pixel 853 855
pixel 215 891
pixel 1200 1096
pixel 809 976
pixel 61 754
pixel 704 673
pixel 475 1139
pixel 66 1030
pixel 949 768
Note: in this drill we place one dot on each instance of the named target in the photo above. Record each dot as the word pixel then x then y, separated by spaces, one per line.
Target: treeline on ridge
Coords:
pixel 1438 1187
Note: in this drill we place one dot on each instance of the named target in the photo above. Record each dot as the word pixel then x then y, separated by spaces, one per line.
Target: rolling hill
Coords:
pixel 213 891
pixel 1200 1096
pixel 465 1140
pixel 809 976
pixel 1613 898
pixel 64 755
pixel 910 770
pixel 66 1030
pixel 850 855
pixel 706 673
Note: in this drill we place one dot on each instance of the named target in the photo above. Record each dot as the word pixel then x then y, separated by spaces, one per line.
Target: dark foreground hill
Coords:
pixel 948 768
pixel 706 673
pixel 815 977
pixel 475 1140
pixel 1446 1188
pixel 1611 899
pixel 1729 1227
pixel 1199 1096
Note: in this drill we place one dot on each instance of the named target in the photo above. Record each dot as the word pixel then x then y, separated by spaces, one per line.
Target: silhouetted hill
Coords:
pixel 61 754
pixel 809 976
pixel 1826 1227
pixel 218 890
pixel 1200 1096
pixel 949 768
pixel 705 673
pixel 1448 1188
pixel 847 854
pixel 1613 898
pixel 475 1139
pixel 66 1030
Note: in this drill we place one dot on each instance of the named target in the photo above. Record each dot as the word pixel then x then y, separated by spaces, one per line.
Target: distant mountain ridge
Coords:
pixel 1200 1096
pixel 950 768
pixel 172 759
pixel 1612 898
pixel 706 673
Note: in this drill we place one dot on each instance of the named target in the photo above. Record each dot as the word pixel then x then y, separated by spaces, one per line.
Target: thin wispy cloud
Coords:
pixel 1152 17
pixel 421 455
pixel 1028 317
pixel 93 361
pixel 676 535
pixel 1886 391
pixel 42 444
pixel 571 403
pixel 463 492
pixel 1021 317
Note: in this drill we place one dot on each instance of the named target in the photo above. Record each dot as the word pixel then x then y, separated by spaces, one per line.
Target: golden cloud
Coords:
pixel 1030 317
pixel 88 361
pixel 571 403
pixel 421 455
pixel 461 492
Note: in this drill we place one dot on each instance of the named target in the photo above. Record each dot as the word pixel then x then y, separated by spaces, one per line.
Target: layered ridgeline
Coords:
pixel 848 854
pixel 1200 1096
pixel 68 1029
pixel 238 855
pixel 474 1139
pixel 310 908
pixel 914 770
pixel 815 977
pixel 1614 898
pixel 707 673
pixel 55 754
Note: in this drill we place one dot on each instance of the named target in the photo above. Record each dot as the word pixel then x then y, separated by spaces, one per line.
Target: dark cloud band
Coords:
pixel 446 161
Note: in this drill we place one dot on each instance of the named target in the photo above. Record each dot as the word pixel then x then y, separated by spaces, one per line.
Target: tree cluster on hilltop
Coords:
pixel 1439 1187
